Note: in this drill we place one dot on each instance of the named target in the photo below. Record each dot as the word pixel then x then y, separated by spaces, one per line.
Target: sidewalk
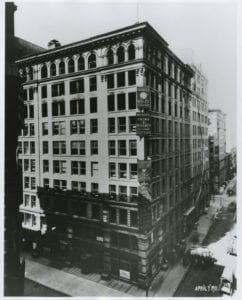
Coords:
pixel 66 283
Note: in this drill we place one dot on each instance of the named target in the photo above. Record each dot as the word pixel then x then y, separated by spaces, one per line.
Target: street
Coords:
pixel 204 282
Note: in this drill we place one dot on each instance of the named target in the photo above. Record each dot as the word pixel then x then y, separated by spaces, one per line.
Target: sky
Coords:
pixel 207 28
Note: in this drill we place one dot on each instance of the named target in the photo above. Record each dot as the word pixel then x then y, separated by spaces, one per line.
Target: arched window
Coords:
pixel 62 68
pixel 31 73
pixel 71 66
pixel 110 56
pixel 92 61
pixel 53 69
pixel 120 54
pixel 131 52
pixel 81 63
pixel 44 72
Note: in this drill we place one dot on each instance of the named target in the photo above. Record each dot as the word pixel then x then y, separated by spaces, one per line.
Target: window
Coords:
pixel 26 183
pixel 111 103
pixel 121 102
pixel 120 54
pixel 110 57
pixel 59 128
pixel 132 147
pixel 95 211
pixel 77 86
pixel 31 111
pixel 46 182
pixel 93 105
pixel 93 83
pixel 78 168
pixel 44 108
pixel 94 168
pixel 71 66
pixel 112 191
pixel 59 147
pixel 78 186
pixel 77 107
pixel 78 148
pixel 81 64
pixel 132 100
pixel 120 79
pixel 45 147
pixel 26 164
pixel 132 124
pixel 77 127
pixel 26 200
pixel 45 166
pixel 123 219
pixel 92 61
pixel 122 124
pixel 20 149
pixel 133 194
pixel 62 68
pixel 26 147
pixel 93 125
pixel 94 187
pixel 45 128
pixel 122 147
pixel 123 193
pixel 33 201
pixel 59 166
pixel 111 148
pixel 122 170
pixel 110 81
pixel 111 125
pixel 25 112
pixel 32 147
pixel 33 183
pixel 58 89
pixel 133 218
pixel 31 93
pixel 53 70
pixel 44 72
pixel 44 92
pixel 112 170
pixel 31 129
pixel 94 147
pixel 133 171
pixel 31 73
pixel 131 52
pixel 132 77
pixel 60 184
pixel 113 215
pixel 58 108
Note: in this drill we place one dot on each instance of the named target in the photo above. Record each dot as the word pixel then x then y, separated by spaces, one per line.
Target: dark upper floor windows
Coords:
pixel 31 73
pixel 77 106
pixel 132 77
pixel 71 66
pixel 81 64
pixel 110 57
pixel 58 108
pixel 62 68
pixel 111 103
pixel 120 54
pixel 93 105
pixel 44 92
pixel 53 69
pixel 131 52
pixel 92 61
pixel 110 81
pixel 120 79
pixel 44 72
pixel 77 86
pixel 93 83
pixel 57 89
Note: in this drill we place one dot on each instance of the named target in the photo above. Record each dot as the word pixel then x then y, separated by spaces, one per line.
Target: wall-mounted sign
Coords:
pixel 143 98
pixel 144 170
pixel 124 274
pixel 143 124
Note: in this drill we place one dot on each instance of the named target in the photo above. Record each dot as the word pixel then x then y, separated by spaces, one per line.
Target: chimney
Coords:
pixel 53 44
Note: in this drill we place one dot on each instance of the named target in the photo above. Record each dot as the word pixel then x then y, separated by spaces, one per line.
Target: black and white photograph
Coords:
pixel 120 149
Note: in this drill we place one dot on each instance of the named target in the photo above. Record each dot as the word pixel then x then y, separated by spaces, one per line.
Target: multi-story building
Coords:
pixel 106 151
pixel 217 149
pixel 199 141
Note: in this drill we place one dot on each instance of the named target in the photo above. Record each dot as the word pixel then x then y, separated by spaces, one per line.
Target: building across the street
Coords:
pixel 106 152
pixel 218 159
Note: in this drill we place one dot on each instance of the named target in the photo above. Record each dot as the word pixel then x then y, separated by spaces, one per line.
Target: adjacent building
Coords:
pixel 106 152
pixel 217 149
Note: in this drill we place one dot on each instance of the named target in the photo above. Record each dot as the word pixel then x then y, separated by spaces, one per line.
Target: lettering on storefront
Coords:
pixel 143 124
pixel 124 274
